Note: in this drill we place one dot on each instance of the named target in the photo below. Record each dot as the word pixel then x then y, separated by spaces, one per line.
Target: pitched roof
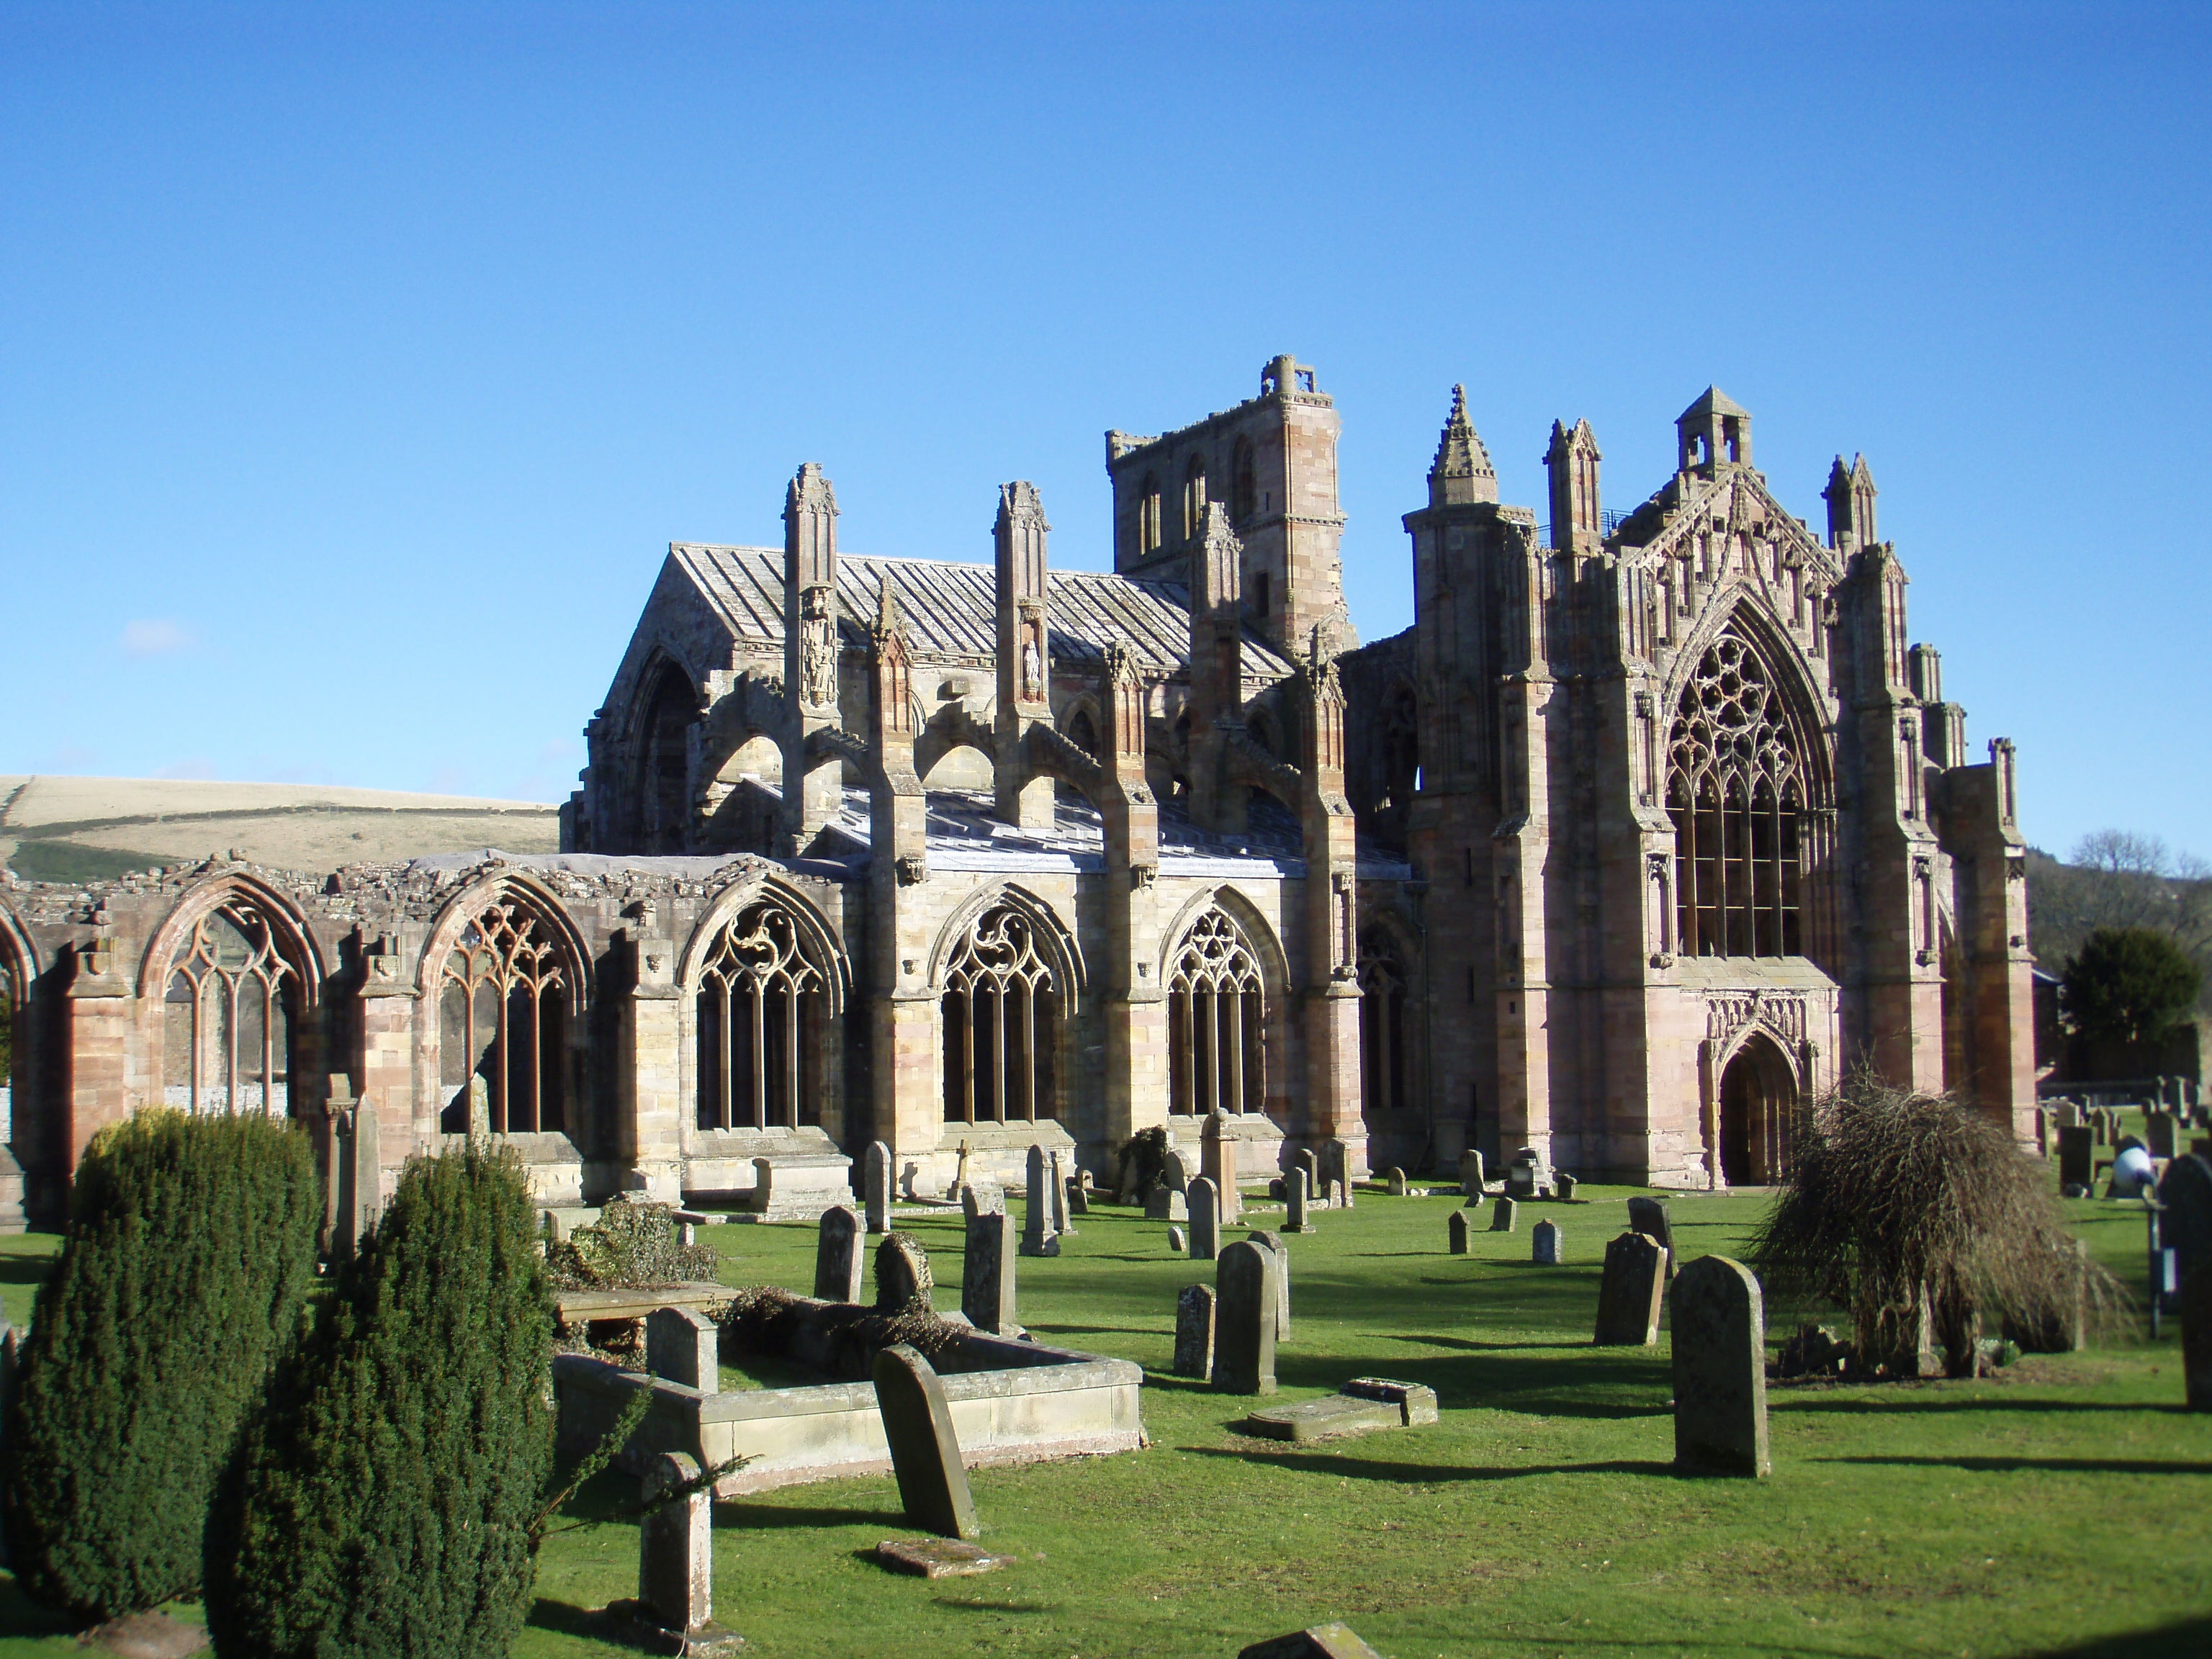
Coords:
pixel 951 607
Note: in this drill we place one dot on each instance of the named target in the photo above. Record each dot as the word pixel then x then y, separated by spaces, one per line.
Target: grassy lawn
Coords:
pixel 2065 1507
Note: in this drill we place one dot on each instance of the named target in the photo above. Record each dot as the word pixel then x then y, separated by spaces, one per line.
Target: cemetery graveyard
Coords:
pixel 1532 1505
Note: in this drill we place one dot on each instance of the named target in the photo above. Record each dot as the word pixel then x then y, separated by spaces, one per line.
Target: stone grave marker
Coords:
pixel 901 1272
pixel 1193 1340
pixel 1331 1641
pixel 877 1179
pixel 938 1558
pixel 1393 1182
pixel 1205 1219
pixel 2160 1138
pixel 2069 1114
pixel 1455 1233
pixel 1566 1188
pixel 1037 1235
pixel 2196 1337
pixel 1337 1159
pixel 1470 1173
pixel 1267 1241
pixel 1544 1243
pixel 1058 1175
pixel 1078 1194
pixel 1720 1371
pixel 1630 1292
pixel 1339 1195
pixel 932 1482
pixel 1244 1319
pixel 1649 1217
pixel 1217 1154
pixel 2185 1222
pixel 1524 1176
pixel 1501 1215
pixel 1178 1240
pixel 1166 1203
pixel 1174 1173
pixel 986 1274
pixel 837 1256
pixel 1295 1196
pixel 675 1559
pixel 1309 1161
pixel 684 1345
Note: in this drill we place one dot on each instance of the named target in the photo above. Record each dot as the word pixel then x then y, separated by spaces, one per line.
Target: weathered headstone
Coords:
pixel 1194 1340
pixel 932 1482
pixel 1332 1641
pixel 2185 1222
pixel 1058 1175
pixel 2069 1114
pixel 1038 1237
pixel 1339 1195
pixel 1309 1161
pixel 1244 1319
pixel 2042 1127
pixel 1720 1371
pixel 1217 1154
pixel 1178 1240
pixel 986 1274
pixel 901 1272
pixel 1501 1215
pixel 1649 1217
pixel 1175 1172
pixel 2160 1139
pixel 1565 1186
pixel 2196 1337
pixel 1629 1293
pixel 1078 1194
pixel 1470 1173
pixel 1524 1176
pixel 683 1345
pixel 876 1177
pixel 676 1554
pixel 1205 1219
pixel 1455 1233
pixel 837 1256
pixel 1267 1241
pixel 1336 1159
pixel 1166 1203
pixel 1295 1199
pixel 1544 1243
pixel 1393 1181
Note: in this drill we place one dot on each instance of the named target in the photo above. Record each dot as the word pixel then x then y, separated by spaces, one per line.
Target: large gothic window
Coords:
pixel 1736 790
pixel 1001 1016
pixel 227 1016
pixel 760 1014
pixel 1382 1024
pixel 501 1002
pixel 1217 1021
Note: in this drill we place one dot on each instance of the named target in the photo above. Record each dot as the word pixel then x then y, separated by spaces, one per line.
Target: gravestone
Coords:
pixel 1393 1181
pixel 1339 1195
pixel 1649 1217
pixel 675 1553
pixel 876 1179
pixel 683 1345
pixel 986 1274
pixel 2196 1338
pixel 1217 1153
pixel 1244 1319
pixel 1057 1176
pixel 1316 1189
pixel 932 1482
pixel 1720 1371
pixel 1193 1338
pixel 1267 1241
pixel 1566 1188
pixel 1166 1204
pixel 2160 1139
pixel 837 1260
pixel 2042 1132
pixel 1205 1219
pixel 1295 1199
pixel 1544 1244
pixel 1470 1173
pixel 1455 1233
pixel 1174 1173
pixel 1078 1195
pixel 1331 1641
pixel 1037 1235
pixel 1524 1176
pixel 1628 1294
pixel 1501 1217
pixel 1336 1160
pixel 2185 1222
pixel 901 1272
pixel 2069 1115
pixel 1178 1240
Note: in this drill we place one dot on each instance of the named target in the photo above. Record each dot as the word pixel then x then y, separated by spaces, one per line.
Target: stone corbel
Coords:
pixel 912 869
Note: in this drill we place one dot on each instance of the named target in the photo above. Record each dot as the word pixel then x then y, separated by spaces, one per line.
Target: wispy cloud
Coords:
pixel 154 636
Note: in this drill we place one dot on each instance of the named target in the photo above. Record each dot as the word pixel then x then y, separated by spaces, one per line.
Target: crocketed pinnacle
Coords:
pixel 1463 472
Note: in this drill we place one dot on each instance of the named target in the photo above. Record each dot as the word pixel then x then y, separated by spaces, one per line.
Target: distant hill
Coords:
pixel 57 828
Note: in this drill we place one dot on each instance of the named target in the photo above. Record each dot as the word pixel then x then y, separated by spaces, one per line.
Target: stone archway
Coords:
pixel 1758 1101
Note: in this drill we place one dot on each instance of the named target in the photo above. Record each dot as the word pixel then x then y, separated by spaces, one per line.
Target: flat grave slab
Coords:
pixel 1416 1403
pixel 938 1558
pixel 1324 1418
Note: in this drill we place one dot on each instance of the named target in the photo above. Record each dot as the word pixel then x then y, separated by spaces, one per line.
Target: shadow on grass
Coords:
pixel 740 1515
pixel 1812 1401
pixel 22 1616
pixel 2188 1639
pixel 1414 1474
pixel 997 1607
pixel 2056 1465
pixel 25 1269
pixel 568 1620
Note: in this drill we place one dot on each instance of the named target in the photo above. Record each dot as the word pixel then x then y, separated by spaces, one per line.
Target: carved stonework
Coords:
pixel 912 869
pixel 1782 1013
pixel 819 650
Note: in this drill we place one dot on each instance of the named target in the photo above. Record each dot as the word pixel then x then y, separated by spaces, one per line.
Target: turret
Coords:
pixel 1711 433
pixel 1849 495
pixel 1572 462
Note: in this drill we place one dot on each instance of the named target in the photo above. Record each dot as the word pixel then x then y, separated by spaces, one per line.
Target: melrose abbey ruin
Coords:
pixel 1653 823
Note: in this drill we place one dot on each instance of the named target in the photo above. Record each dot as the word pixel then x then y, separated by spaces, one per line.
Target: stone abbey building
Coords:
pixel 1651 823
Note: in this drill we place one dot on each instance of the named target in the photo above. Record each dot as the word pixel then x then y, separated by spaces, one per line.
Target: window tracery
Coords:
pixel 501 1005
pixel 227 1016
pixel 1736 790
pixel 1217 1021
pixel 1383 986
pixel 760 1009
pixel 1001 1012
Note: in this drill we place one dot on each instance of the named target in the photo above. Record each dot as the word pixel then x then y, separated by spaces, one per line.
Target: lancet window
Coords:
pixel 227 1016
pixel 1001 1012
pixel 760 1014
pixel 1217 1021
pixel 1736 790
pixel 500 1025
pixel 1382 1024
pixel 1193 497
pixel 1148 516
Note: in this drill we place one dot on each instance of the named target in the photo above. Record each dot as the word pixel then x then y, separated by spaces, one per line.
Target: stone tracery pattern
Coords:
pixel 1001 1019
pixel 500 1022
pixel 760 1000
pixel 226 1041
pixel 1217 1021
pixel 1382 1036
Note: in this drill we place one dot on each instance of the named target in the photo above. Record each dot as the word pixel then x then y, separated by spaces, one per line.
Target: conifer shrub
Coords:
pixel 189 1250
pixel 386 1504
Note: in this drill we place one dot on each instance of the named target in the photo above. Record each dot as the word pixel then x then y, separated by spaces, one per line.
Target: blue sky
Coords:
pixel 357 364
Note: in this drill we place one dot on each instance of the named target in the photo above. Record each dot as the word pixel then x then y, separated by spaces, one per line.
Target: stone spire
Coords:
pixel 1461 472
pixel 1850 495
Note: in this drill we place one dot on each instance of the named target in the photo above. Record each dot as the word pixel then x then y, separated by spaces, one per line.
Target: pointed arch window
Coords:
pixel 227 1016
pixel 1382 1023
pixel 1002 1010
pixel 1193 497
pixel 760 1025
pixel 1217 1021
pixel 1735 788
pixel 1148 516
pixel 502 999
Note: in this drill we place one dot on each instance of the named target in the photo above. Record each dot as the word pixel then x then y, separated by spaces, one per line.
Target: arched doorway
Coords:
pixel 1758 1100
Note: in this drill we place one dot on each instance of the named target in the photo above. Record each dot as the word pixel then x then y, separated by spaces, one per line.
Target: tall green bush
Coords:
pixel 384 1505
pixel 191 1243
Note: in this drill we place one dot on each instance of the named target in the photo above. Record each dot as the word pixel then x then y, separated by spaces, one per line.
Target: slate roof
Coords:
pixel 951 609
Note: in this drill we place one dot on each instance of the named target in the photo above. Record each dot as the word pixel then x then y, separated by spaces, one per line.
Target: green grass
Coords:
pixel 2056 1509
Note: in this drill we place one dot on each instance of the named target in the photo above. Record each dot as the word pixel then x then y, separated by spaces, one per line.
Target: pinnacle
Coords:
pixel 1461 470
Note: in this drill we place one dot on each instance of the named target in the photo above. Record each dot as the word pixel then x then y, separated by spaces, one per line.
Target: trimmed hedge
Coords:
pixel 384 1505
pixel 189 1247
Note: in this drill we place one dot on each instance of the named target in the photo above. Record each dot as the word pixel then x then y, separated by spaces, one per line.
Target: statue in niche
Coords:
pixel 818 651
pixel 1032 673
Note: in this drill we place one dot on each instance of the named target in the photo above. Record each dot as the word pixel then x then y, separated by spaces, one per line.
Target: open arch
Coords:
pixel 661 759
pixel 1148 516
pixel 1385 1003
pixel 1757 1105
pixel 226 981
pixel 1193 496
pixel 1401 743
pixel 19 969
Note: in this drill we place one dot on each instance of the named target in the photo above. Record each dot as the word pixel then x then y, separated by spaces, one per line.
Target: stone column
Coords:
pixel 1135 1006
pixel 649 1111
pixel 95 1057
pixel 1333 1105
